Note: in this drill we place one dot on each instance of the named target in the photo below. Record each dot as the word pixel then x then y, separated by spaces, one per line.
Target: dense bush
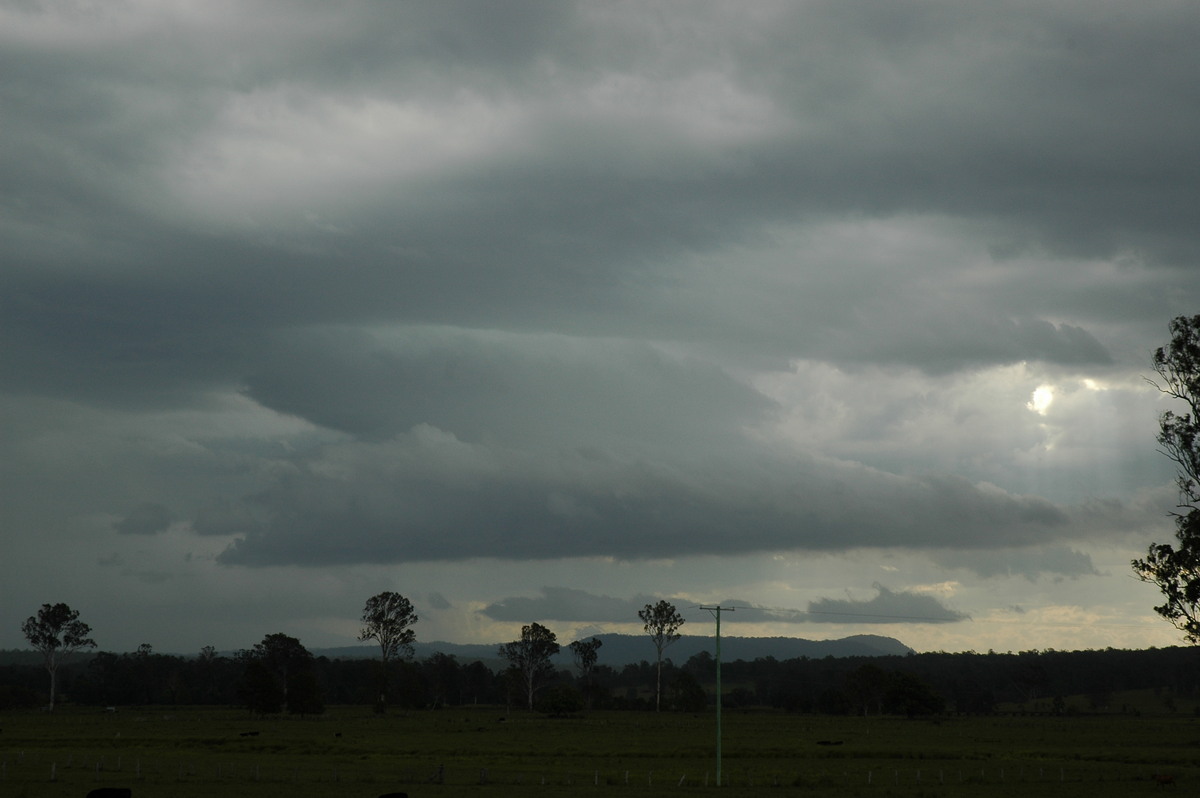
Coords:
pixel 918 684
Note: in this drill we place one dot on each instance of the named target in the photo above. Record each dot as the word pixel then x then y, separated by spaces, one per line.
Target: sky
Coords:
pixel 836 312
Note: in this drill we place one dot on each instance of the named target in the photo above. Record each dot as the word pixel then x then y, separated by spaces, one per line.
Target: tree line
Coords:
pixel 913 685
pixel 279 674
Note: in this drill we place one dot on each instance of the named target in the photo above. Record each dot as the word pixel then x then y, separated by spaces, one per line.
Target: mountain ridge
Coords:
pixel 617 650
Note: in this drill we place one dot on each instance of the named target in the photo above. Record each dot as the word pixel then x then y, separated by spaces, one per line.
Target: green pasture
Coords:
pixel 192 752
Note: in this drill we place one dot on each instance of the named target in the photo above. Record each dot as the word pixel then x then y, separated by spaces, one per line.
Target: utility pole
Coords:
pixel 716 613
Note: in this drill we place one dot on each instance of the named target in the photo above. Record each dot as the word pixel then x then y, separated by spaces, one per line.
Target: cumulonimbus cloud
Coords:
pixel 429 496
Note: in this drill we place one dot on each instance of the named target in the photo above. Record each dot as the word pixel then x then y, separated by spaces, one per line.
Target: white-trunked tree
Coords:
pixel 56 632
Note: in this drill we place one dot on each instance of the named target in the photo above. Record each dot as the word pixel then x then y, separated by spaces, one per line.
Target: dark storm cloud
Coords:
pixel 635 145
pixel 515 256
pixel 224 518
pixel 145 519
pixel 430 496
pixel 521 390
pixel 1031 563
pixel 568 604
pixel 982 340
pixel 148 577
pixel 1012 111
pixel 887 606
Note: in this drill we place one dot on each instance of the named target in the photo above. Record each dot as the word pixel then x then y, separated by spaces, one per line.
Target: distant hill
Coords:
pixel 620 650
pixel 616 651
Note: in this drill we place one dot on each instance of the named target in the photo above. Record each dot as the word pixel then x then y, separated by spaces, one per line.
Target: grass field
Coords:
pixel 193 752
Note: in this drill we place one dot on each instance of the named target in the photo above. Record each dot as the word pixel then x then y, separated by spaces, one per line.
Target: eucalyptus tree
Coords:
pixel 387 619
pixel 586 652
pixel 56 632
pixel 662 622
pixel 529 657
pixel 287 661
pixel 1175 569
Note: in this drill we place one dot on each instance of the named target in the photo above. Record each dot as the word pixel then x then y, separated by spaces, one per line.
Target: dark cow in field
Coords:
pixel 110 792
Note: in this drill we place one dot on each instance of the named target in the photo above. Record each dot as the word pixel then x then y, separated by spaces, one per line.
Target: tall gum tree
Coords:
pixel 530 657
pixel 1175 569
pixel 661 621
pixel 56 632
pixel 387 619
pixel 586 652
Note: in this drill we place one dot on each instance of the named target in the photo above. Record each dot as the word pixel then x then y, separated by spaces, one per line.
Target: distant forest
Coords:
pixel 913 684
